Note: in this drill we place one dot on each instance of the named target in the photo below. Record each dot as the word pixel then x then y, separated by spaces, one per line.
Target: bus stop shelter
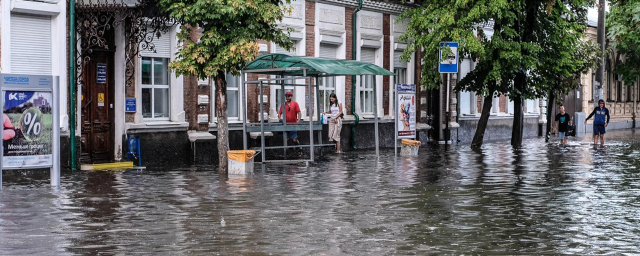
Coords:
pixel 285 70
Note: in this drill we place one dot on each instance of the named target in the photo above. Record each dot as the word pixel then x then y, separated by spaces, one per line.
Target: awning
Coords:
pixel 283 64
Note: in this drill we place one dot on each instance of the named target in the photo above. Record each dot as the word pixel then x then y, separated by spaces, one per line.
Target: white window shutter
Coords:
pixel 368 55
pixel 328 51
pixel 31 44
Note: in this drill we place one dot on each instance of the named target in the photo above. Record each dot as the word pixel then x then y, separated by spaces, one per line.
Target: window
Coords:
pixel 327 87
pixel 609 91
pixel 155 88
pixel 233 97
pixel 327 84
pixel 366 95
pixel 366 85
pixel 618 90
pixel 628 93
pixel 399 78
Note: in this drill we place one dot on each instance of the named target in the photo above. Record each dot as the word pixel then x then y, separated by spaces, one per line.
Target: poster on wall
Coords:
pixel 407 110
pixel 28 129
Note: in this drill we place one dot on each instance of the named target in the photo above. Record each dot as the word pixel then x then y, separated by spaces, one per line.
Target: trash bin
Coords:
pixel 410 147
pixel 240 161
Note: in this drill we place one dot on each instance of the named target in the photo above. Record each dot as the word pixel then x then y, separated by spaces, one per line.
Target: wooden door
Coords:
pixel 97 108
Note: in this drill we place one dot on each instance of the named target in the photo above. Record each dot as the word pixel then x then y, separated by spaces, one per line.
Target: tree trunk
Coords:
pixel 550 104
pixel 484 119
pixel 223 129
pixel 518 113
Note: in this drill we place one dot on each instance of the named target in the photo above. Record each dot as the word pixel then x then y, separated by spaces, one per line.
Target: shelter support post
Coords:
pixel 320 110
pixel 244 110
pixel 375 115
pixel 310 104
pixel 262 125
pixel 395 124
pixel 284 115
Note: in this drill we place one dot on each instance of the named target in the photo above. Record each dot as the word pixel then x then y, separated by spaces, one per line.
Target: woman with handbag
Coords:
pixel 335 120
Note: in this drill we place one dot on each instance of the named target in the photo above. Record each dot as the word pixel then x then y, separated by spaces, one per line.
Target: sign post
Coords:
pixel 31 123
pixel 405 113
pixel 448 65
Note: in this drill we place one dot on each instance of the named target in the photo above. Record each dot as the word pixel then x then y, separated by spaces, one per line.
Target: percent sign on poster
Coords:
pixel 31 120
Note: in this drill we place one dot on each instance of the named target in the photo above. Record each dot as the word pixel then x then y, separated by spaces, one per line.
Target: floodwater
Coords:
pixel 542 199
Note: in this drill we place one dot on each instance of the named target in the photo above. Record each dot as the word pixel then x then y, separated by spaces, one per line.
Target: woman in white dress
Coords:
pixel 335 120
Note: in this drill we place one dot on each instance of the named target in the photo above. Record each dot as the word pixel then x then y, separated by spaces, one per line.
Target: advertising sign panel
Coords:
pixel 28 129
pixel 406 109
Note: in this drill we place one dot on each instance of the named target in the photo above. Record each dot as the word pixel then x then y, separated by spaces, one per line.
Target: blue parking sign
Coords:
pixel 449 64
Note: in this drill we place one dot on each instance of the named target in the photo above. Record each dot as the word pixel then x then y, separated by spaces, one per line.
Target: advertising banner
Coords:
pixel 28 129
pixel 406 109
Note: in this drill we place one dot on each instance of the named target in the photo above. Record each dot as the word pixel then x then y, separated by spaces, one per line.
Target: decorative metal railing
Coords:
pixel 142 20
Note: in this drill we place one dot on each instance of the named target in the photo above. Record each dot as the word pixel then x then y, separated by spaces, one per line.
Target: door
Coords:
pixel 97 108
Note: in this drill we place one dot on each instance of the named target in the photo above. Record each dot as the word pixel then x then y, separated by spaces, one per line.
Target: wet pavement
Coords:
pixel 542 199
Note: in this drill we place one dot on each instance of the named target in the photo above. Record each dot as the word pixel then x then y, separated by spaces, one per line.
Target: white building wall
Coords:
pixel 58 66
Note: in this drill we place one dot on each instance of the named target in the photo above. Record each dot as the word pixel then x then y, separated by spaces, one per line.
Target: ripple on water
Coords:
pixel 542 199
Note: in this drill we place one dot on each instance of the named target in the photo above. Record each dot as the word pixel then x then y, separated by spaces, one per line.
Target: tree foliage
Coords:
pixel 623 28
pixel 533 47
pixel 229 29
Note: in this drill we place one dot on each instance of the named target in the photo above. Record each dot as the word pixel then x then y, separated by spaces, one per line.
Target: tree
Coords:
pixel 460 21
pixel 229 29
pixel 551 34
pixel 623 28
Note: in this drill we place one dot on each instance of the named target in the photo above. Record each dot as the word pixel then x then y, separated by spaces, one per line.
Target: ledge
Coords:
pixel 163 126
pixel 200 136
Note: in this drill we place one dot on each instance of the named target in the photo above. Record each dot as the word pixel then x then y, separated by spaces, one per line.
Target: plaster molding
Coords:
pixel 371 22
pixel 332 16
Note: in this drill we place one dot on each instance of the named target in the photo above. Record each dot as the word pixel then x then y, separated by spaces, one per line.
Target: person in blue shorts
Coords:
pixel 599 122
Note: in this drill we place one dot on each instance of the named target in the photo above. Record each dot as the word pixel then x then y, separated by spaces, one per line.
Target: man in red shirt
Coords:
pixel 293 116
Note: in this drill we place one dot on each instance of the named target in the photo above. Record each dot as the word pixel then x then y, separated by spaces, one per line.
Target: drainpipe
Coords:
pixel 72 83
pixel 354 34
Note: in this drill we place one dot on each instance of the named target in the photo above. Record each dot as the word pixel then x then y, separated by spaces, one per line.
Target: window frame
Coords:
pixel 366 89
pixel 239 89
pixel 154 86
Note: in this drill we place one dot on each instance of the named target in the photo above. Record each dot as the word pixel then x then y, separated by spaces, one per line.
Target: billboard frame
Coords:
pixel 36 83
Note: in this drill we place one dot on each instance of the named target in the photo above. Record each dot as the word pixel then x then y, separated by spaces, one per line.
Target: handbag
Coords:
pixel 324 119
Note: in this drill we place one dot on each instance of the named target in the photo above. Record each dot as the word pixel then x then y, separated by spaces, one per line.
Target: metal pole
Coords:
pixel 244 111
pixel 284 115
pixel 320 110
pixel 375 115
pixel 448 133
pixel 55 147
pixel 72 83
pixel 310 104
pixel 395 124
pixel 262 125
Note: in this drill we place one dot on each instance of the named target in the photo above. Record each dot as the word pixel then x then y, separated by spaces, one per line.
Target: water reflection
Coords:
pixel 542 199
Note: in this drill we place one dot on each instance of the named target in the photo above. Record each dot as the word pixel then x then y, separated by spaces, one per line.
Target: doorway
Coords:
pixel 97 121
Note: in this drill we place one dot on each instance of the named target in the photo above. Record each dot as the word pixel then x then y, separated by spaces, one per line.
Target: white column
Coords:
pixel 119 95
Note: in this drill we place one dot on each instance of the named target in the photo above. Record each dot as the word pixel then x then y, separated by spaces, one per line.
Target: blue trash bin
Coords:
pixel 133 149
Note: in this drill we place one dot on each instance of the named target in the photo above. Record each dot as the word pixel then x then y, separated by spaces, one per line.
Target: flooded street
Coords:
pixel 542 199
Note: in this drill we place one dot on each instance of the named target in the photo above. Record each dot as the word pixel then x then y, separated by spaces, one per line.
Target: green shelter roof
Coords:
pixel 283 64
